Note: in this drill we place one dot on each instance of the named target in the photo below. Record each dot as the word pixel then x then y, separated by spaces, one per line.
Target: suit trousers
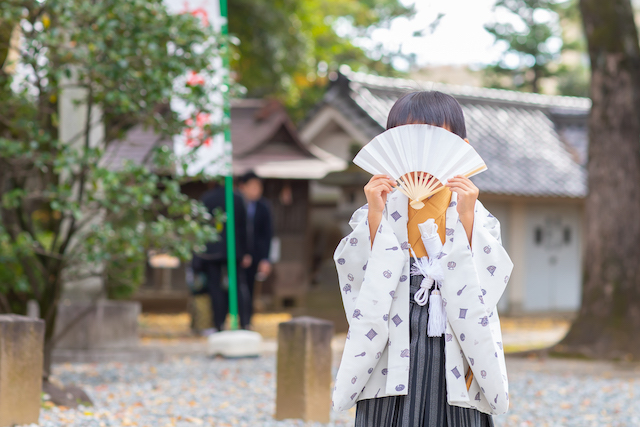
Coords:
pixel 219 294
pixel 250 275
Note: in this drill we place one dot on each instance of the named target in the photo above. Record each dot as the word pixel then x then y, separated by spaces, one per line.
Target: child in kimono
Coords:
pixel 401 368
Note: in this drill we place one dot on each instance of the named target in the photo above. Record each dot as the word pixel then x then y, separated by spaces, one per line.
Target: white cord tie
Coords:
pixel 433 276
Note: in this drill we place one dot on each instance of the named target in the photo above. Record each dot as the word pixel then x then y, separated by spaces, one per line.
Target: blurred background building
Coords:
pixel 535 146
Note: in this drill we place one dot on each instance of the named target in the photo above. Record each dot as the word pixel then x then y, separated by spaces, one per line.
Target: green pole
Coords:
pixel 228 179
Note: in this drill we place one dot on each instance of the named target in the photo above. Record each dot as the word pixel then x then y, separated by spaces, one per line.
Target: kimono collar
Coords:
pixel 397 216
pixel 435 207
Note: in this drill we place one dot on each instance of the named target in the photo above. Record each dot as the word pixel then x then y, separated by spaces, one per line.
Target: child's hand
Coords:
pixel 376 191
pixel 467 194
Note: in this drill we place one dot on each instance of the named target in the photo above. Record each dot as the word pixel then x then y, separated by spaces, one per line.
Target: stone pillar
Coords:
pixel 304 369
pixel 21 358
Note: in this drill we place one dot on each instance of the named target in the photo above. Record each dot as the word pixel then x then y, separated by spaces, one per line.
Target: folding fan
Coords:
pixel 420 158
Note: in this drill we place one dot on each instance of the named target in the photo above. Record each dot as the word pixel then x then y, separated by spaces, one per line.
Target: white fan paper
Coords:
pixel 420 158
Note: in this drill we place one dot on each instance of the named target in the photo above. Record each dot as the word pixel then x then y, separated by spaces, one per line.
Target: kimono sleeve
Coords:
pixel 368 277
pixel 490 258
pixel 351 258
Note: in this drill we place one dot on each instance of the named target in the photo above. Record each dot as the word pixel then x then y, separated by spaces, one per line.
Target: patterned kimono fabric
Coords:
pixel 425 405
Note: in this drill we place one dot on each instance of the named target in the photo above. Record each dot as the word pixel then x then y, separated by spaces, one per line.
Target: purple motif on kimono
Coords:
pixel 396 216
pixel 499 345
pixel 353 380
pixel 387 274
pixel 399 387
pixel 487 249
pixel 384 371
pixel 477 396
pixel 452 204
pixel 440 255
pixel 483 373
pixel 481 299
pixel 403 278
pixel 341 261
pixel 484 292
pixel 371 334
pixel 357 314
pixel 393 248
pixel 350 277
pixel 496 399
pixel 396 319
pixel 449 231
pixel 484 321
pixel 353 241
pixel 385 317
pixel 448 337
pixel 404 246
pixel 506 279
pixel 451 265
pixel 364 267
pixel 392 293
pixel 353 396
pixel 463 313
pixel 370 370
pixel 347 288
pixel 471 361
pixel 378 355
pixel 361 354
pixel 455 372
pixel 491 269
pixel 404 353
pixel 462 337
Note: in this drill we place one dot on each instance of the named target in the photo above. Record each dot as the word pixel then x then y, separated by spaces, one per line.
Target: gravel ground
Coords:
pixel 198 391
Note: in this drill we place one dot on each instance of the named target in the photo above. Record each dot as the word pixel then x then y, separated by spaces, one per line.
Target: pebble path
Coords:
pixel 199 391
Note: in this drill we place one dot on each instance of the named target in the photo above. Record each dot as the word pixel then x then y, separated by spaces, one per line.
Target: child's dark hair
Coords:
pixel 429 108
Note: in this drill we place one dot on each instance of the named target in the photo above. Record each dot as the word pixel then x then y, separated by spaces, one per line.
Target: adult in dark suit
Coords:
pixel 214 260
pixel 259 232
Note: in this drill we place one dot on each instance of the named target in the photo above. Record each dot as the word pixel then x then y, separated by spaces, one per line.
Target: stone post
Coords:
pixel 304 369
pixel 21 358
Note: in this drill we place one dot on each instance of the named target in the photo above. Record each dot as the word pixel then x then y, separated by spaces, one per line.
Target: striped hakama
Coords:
pixel 425 405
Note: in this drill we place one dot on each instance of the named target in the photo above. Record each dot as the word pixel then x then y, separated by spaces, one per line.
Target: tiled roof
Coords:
pixel 263 138
pixel 533 145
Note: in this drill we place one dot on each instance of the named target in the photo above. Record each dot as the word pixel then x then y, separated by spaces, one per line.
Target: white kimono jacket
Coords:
pixel 374 283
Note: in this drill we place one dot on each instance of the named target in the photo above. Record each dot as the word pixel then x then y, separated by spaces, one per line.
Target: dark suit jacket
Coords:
pixel 215 199
pixel 260 231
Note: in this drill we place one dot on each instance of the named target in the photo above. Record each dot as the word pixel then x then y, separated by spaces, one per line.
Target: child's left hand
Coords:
pixel 467 194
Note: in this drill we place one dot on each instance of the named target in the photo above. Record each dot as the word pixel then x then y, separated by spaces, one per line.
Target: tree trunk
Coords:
pixel 609 319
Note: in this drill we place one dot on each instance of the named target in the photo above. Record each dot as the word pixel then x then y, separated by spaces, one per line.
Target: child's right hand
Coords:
pixel 376 191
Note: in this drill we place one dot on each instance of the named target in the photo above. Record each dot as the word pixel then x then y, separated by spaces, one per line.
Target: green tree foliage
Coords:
pixel 544 40
pixel 528 41
pixel 572 75
pixel 65 211
pixel 286 48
